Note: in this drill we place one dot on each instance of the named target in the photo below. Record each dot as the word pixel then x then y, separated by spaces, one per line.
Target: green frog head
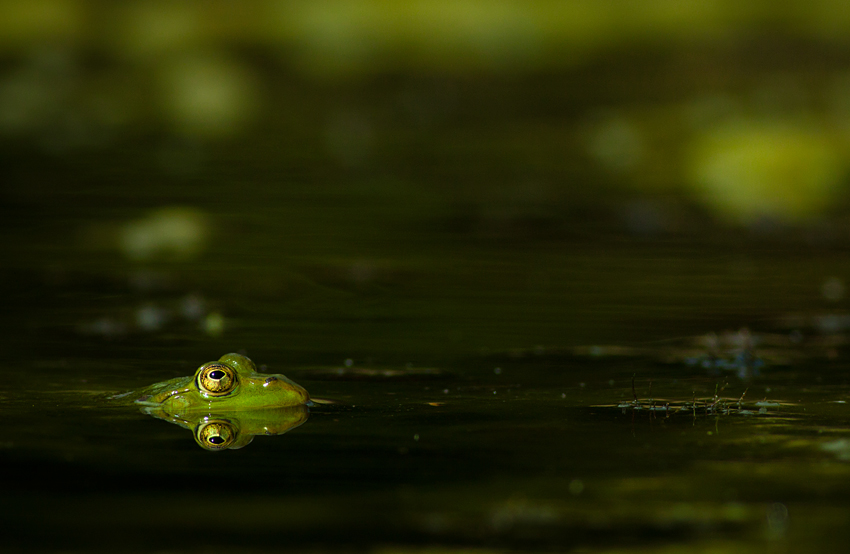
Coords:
pixel 229 384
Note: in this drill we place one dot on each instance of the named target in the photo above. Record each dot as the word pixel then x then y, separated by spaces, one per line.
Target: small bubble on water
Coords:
pixel 151 318
pixel 348 362
pixel 192 307
pixel 832 289
pixel 213 324
pixel 777 520
pixel 576 487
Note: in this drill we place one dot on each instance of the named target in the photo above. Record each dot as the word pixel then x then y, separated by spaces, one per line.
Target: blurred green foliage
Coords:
pixel 77 75
pixel 344 36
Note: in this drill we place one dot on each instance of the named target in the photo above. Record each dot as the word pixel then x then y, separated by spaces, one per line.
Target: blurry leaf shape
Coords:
pixel 213 324
pixel 788 171
pixel 208 95
pixel 173 233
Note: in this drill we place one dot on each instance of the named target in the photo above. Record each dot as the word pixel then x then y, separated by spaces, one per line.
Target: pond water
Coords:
pixel 465 418
pixel 508 365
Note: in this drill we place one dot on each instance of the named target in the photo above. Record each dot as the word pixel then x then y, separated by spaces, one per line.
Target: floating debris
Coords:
pixel 742 352
pixel 189 312
pixel 714 405
pixel 839 447
pixel 735 352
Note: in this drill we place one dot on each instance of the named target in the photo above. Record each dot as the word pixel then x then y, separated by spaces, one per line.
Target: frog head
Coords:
pixel 230 384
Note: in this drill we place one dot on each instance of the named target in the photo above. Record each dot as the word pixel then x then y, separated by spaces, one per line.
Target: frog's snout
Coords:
pixel 283 386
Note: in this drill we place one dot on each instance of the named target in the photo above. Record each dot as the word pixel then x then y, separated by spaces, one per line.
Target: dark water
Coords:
pixel 463 418
pixel 437 296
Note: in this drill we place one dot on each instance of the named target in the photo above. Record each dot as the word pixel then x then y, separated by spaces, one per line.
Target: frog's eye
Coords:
pixel 216 434
pixel 216 379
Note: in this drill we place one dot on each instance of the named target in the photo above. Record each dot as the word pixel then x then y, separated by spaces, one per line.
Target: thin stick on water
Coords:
pixel 633 388
pixel 741 400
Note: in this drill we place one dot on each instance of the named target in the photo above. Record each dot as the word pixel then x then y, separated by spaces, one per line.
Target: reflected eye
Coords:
pixel 215 434
pixel 216 379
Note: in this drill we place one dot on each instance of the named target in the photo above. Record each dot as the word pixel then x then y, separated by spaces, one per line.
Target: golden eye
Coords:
pixel 216 434
pixel 216 379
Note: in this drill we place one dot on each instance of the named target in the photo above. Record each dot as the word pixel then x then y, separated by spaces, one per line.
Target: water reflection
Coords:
pixel 232 430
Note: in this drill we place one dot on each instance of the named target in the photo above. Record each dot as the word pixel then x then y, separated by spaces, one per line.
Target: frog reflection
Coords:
pixel 231 430
pixel 226 403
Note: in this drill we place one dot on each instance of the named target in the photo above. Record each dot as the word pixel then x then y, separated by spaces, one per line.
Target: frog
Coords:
pixel 230 384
